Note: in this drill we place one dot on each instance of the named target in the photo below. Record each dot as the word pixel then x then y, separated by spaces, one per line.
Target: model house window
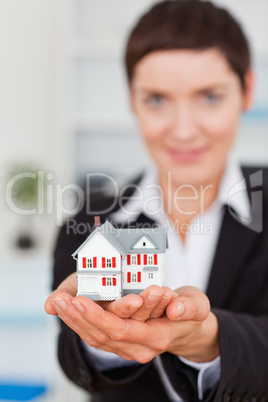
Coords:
pixel 109 263
pixel 150 260
pixel 89 262
pixel 134 260
pixel 144 244
pixel 151 275
pixel 109 281
pixel 134 277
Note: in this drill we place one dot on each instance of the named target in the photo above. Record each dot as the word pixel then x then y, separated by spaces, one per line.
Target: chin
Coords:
pixel 201 171
pixel 194 174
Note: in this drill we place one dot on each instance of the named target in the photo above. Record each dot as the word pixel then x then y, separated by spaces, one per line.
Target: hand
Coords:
pixel 150 303
pixel 190 331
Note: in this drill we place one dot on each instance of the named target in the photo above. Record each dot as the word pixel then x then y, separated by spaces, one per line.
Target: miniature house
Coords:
pixel 114 262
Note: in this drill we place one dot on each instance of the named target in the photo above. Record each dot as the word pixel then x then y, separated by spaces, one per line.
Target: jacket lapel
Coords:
pixel 235 243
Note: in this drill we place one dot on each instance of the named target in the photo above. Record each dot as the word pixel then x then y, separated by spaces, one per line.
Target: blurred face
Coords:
pixel 188 105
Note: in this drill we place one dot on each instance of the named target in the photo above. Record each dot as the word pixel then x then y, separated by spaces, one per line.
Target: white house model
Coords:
pixel 114 262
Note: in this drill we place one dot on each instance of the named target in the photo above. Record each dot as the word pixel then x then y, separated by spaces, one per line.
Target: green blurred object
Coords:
pixel 24 195
pixel 25 189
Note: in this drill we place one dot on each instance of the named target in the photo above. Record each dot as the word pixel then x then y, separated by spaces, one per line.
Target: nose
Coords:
pixel 183 125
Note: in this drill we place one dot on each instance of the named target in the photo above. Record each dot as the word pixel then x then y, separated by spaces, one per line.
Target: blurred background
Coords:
pixel 65 111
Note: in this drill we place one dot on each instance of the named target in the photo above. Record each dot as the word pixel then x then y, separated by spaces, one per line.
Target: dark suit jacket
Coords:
pixel 238 293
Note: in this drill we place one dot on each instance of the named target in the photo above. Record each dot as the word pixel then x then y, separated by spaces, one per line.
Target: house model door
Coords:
pixel 89 285
pixel 150 278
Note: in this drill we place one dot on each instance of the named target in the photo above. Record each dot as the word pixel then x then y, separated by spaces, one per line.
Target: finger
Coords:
pixel 191 291
pixel 118 329
pixel 125 306
pixel 68 286
pixel 159 310
pixel 71 312
pixel 48 306
pixel 94 314
pixel 57 299
pixel 195 307
pixel 151 297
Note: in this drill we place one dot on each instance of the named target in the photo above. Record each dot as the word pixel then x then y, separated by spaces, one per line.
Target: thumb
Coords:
pixel 191 304
pixel 67 288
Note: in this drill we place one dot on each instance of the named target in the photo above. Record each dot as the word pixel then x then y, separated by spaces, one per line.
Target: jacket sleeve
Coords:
pixel 244 355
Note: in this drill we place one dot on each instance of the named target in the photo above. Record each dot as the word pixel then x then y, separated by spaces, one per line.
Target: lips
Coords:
pixel 187 156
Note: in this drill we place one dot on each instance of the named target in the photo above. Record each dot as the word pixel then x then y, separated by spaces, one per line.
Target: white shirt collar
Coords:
pixel 147 197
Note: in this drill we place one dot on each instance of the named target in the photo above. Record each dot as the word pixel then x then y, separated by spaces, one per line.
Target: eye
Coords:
pixel 211 98
pixel 155 100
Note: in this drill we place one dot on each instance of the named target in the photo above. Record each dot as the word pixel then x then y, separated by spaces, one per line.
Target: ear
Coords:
pixel 249 89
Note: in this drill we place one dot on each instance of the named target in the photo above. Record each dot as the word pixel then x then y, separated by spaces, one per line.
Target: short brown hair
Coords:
pixel 188 24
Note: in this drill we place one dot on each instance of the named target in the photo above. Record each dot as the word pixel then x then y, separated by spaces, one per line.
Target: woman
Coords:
pixel 204 336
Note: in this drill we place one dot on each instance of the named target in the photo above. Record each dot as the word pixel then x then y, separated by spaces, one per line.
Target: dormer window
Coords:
pixel 144 244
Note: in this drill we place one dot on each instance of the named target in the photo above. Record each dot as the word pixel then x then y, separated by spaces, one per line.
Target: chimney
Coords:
pixel 97 221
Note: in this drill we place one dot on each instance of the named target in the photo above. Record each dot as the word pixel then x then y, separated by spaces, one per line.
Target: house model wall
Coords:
pixel 114 262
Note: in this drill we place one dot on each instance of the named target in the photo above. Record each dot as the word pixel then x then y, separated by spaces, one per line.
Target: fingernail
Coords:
pixel 59 304
pixel 180 309
pixel 153 296
pixel 166 297
pixel 135 306
pixel 78 306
